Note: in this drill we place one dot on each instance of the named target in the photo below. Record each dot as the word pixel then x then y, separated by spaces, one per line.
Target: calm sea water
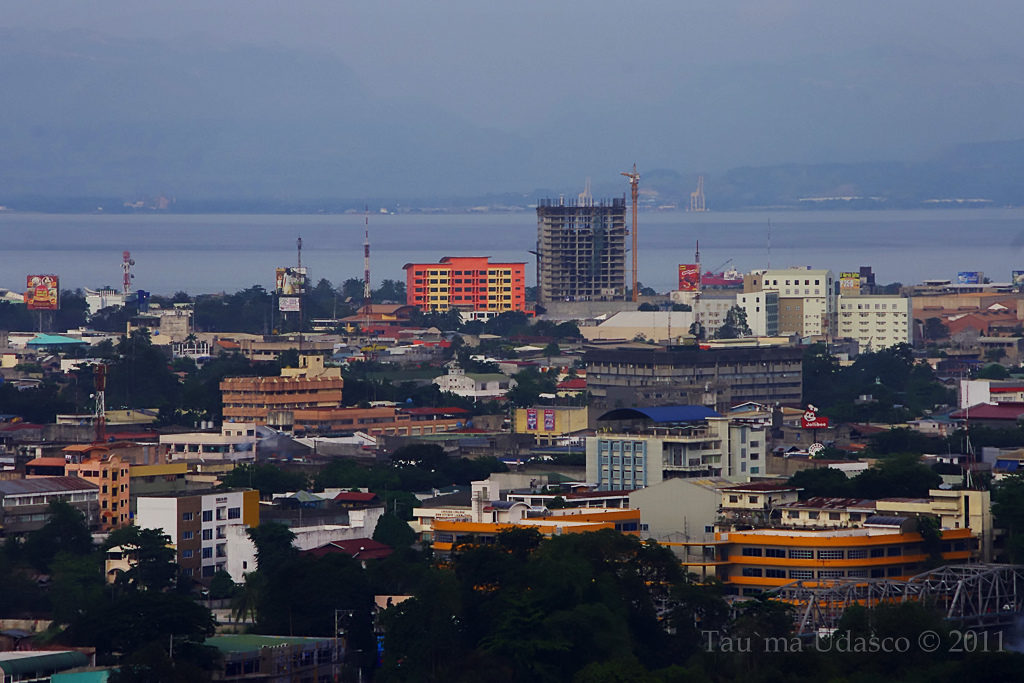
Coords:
pixel 212 253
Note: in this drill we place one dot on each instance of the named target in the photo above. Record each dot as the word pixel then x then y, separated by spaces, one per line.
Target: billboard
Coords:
pixel 810 419
pixel 549 420
pixel 1017 278
pixel 290 281
pixel 689 277
pixel 849 282
pixel 288 303
pixel 968 277
pixel 42 292
pixel 531 419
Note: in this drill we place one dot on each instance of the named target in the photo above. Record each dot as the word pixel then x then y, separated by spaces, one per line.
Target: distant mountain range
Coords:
pixel 91 122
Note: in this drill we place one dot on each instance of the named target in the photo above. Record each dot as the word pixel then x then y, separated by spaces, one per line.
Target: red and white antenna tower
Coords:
pixel 126 265
pixel 367 296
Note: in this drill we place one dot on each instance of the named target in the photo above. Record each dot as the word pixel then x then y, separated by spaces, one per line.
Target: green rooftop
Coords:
pixel 250 642
pixel 54 340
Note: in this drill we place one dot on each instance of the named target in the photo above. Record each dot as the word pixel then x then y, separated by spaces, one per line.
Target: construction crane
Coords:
pixel 586 198
pixel 697 203
pixel 720 267
pixel 634 184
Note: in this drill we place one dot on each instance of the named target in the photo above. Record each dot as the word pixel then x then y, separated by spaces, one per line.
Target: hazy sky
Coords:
pixel 676 84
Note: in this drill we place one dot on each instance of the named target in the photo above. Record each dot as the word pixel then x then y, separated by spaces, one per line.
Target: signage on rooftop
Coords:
pixel 810 419
pixel 42 292
pixel 689 277
pixel 1017 277
pixel 968 277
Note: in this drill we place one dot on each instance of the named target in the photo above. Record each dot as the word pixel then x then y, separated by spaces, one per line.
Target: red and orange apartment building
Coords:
pixel 467 283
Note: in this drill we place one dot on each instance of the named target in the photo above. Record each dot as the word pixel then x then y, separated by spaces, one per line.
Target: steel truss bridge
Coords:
pixel 970 595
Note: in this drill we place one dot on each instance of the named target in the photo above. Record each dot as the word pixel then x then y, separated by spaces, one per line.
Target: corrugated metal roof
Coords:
pixel 17 487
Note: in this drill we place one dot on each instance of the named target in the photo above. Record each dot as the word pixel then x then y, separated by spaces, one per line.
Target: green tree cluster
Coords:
pixel 900 475
pixel 899 387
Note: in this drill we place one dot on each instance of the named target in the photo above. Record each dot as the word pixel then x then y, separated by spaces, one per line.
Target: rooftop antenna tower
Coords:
pixel 298 247
pixel 126 265
pixel 100 415
pixel 367 294
pixel 634 184
pixel 769 244
pixel 366 258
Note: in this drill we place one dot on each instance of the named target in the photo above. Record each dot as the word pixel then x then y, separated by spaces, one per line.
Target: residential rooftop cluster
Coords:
pixel 780 426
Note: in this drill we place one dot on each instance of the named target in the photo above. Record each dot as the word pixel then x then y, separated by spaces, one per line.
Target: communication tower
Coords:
pixel 100 415
pixel 126 265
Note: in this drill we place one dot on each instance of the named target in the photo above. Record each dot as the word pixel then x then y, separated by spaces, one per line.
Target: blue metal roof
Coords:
pixel 661 414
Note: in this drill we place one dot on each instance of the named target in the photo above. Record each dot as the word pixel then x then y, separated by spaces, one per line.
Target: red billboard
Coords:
pixel 810 419
pixel 689 277
pixel 42 292
pixel 549 420
pixel 531 419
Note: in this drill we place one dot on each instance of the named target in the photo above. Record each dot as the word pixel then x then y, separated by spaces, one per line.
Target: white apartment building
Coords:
pixel 806 299
pixel 876 322
pixel 762 310
pixel 199 525
pixel 713 447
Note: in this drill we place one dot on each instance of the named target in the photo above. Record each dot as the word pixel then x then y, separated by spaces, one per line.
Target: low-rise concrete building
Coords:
pixel 25 503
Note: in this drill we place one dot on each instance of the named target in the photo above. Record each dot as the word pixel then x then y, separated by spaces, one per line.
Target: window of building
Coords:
pixel 793 514
pixel 830 554
pixel 207 515
pixel 234 513
pixel 834 516
pixel 207 534
pixel 798 574
pixel 801 554
pixel 734 499
pixel 830 574
pixel 186 554
pixel 893 571
pixel 752 500
pixel 207 553
pixel 187 535
pixel 186 516
pixel 775 573
pixel 774 552
pixel 752 571
pixel 752 552
pixel 856 553
pixel 894 551
pixel 878 552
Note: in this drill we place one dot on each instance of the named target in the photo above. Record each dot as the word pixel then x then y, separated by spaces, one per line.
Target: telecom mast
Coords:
pixel 367 295
pixel 126 265
pixel 634 184
pixel 100 415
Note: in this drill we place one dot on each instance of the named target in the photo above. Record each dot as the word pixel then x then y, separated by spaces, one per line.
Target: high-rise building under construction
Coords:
pixel 581 250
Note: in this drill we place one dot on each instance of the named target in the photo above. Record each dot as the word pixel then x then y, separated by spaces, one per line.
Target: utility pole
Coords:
pixel 634 184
